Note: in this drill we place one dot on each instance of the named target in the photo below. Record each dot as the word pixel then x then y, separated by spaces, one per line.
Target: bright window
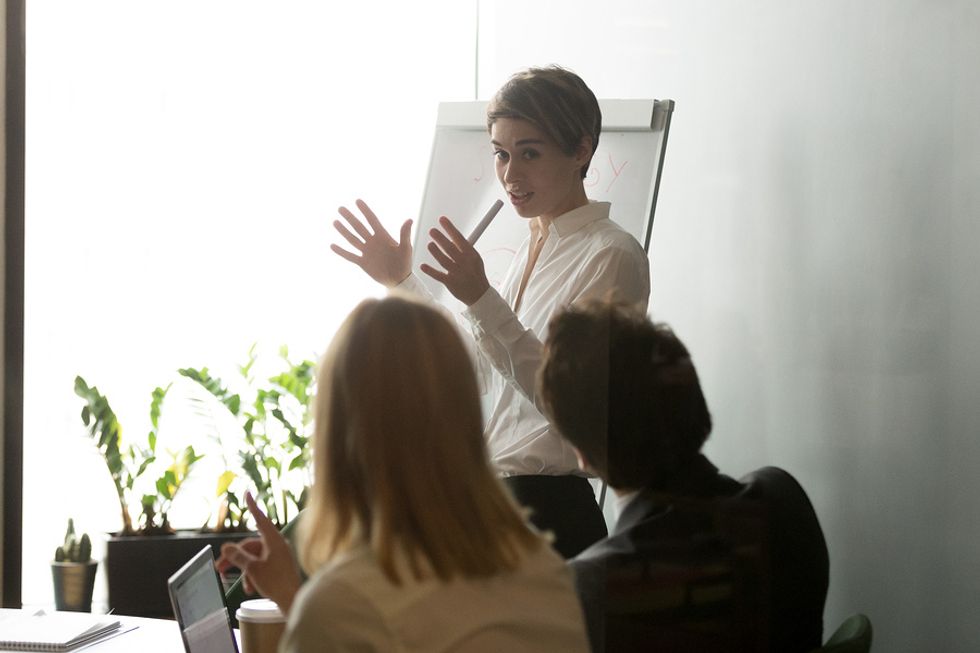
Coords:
pixel 184 162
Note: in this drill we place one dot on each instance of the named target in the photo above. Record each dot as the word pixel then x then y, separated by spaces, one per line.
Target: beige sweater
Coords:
pixel 350 605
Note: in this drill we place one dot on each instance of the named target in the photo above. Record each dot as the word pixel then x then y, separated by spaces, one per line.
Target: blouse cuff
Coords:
pixel 489 313
pixel 411 285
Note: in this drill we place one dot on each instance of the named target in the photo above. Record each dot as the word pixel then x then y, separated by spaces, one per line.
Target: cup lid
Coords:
pixel 261 610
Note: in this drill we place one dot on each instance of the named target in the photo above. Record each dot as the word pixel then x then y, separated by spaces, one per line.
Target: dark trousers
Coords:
pixel 565 506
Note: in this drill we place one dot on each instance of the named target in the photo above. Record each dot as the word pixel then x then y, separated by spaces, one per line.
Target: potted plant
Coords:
pixel 146 550
pixel 274 422
pixel 268 447
pixel 128 462
pixel 73 572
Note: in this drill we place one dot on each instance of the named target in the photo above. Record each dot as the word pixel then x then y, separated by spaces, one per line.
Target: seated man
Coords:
pixel 697 561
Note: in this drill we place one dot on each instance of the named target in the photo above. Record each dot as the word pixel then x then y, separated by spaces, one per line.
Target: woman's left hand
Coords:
pixel 464 275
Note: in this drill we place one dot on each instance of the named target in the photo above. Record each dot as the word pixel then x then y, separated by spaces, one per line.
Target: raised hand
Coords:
pixel 384 260
pixel 266 562
pixel 464 275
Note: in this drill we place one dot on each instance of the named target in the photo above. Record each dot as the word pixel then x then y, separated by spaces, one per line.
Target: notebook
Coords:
pixel 199 606
pixel 57 631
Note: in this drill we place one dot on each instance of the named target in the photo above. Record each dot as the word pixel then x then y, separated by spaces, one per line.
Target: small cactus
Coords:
pixel 84 548
pixel 74 549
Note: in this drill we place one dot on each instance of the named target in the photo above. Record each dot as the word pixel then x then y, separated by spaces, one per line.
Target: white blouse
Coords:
pixel 585 256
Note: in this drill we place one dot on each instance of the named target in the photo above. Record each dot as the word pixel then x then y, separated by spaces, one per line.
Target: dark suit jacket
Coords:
pixel 713 565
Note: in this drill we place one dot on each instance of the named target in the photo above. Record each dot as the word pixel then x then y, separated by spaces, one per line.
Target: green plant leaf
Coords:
pixel 146 463
pixel 272 463
pixel 245 369
pixel 163 488
pixel 251 468
pixel 214 386
pixel 225 481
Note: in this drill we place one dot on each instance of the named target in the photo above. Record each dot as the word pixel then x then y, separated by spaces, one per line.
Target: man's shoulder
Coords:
pixel 658 534
pixel 769 477
pixel 780 491
pixel 613 545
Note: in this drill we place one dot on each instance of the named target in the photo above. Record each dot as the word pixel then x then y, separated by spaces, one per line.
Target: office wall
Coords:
pixel 815 244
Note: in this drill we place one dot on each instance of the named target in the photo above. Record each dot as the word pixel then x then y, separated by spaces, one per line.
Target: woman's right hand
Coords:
pixel 384 260
pixel 266 562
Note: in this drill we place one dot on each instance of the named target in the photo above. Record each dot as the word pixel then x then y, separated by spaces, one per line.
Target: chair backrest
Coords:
pixel 697 583
pixel 852 636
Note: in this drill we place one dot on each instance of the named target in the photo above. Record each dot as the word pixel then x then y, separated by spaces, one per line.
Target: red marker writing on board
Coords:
pixel 485 222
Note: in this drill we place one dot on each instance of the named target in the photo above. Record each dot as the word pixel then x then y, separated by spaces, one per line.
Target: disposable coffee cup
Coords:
pixel 260 623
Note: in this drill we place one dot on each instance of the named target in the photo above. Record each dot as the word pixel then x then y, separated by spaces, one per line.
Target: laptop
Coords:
pixel 199 606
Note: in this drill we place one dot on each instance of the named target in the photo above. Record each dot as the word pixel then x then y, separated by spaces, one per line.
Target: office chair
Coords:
pixel 852 636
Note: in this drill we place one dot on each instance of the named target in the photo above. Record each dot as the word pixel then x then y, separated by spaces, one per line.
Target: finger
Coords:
pixel 247 585
pixel 222 564
pixel 454 234
pixel 252 545
pixel 447 245
pixel 438 275
pixel 236 557
pixel 404 238
pixel 354 222
pixel 356 242
pixel 263 523
pixel 227 549
pixel 225 561
pixel 372 219
pixel 343 253
pixel 441 258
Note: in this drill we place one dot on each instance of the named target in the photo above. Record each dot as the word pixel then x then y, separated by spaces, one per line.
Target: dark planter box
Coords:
pixel 138 567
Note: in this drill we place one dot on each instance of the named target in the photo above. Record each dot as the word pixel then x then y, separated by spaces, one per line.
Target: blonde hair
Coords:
pixel 400 463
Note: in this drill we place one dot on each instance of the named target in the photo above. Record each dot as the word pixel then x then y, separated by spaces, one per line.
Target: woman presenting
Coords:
pixel 544 126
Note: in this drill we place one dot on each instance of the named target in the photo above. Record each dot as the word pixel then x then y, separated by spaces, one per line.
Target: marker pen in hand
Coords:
pixel 485 222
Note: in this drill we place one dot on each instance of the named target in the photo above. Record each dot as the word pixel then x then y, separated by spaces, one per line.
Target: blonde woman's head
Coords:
pixel 399 458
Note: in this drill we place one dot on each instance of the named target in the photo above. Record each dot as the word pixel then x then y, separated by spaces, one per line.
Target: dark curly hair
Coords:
pixel 624 392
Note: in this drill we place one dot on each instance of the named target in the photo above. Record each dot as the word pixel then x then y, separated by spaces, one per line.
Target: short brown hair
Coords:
pixel 624 392
pixel 554 100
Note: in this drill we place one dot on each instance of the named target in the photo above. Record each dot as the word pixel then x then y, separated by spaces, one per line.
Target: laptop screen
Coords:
pixel 199 606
